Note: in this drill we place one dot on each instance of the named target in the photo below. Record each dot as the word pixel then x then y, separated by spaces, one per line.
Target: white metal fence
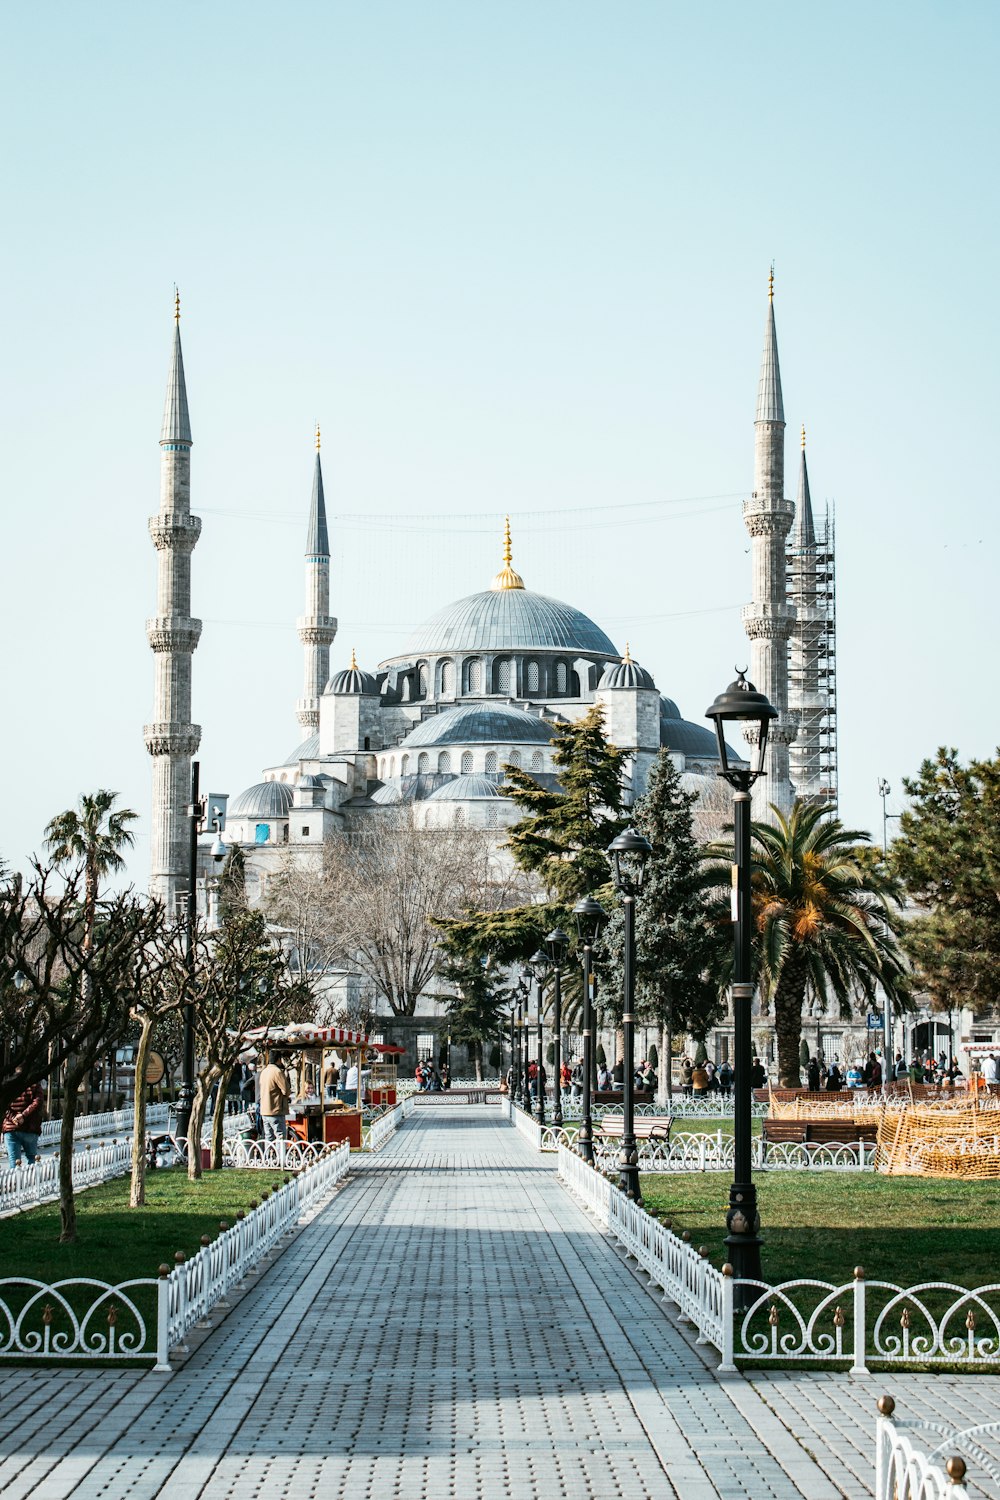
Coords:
pixel 84 1318
pixel 907 1469
pixel 387 1124
pixel 26 1187
pixel 799 1322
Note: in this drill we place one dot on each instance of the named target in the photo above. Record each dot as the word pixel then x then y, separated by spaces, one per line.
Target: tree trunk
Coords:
pixel 137 1192
pixel 219 1119
pixel 788 997
pixel 199 1104
pixel 67 1203
pixel 667 1058
pixel 477 1048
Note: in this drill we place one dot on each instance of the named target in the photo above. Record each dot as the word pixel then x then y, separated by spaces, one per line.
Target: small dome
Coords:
pixel 479 724
pixel 467 789
pixel 694 741
pixel 268 799
pixel 353 680
pixel 308 750
pixel 669 709
pixel 308 783
pixel 625 674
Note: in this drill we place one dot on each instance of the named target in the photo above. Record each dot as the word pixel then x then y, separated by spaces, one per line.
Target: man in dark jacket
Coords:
pixel 22 1125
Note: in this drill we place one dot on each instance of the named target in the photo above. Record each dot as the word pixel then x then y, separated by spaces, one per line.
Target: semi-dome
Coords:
pixel 510 619
pixel 308 750
pixel 353 680
pixel 694 741
pixel 268 799
pixel 625 674
pixel 478 724
pixel 669 709
pixel 467 789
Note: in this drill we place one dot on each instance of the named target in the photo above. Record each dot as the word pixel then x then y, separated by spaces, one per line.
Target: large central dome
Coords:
pixel 510 620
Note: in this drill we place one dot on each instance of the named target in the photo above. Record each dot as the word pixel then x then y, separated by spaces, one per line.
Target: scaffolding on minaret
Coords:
pixel 812 661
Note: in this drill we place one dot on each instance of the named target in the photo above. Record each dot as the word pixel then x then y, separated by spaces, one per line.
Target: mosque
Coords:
pixel 483 682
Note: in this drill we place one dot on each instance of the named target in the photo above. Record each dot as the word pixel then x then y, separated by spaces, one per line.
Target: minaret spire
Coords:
pixel 316 629
pixel 171 738
pixel 768 517
pixel 507 578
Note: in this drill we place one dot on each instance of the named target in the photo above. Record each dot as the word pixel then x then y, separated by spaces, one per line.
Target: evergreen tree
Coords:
pixel 476 1011
pixel 948 856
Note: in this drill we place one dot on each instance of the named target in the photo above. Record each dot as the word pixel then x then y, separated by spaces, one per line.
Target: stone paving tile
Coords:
pixel 451 1324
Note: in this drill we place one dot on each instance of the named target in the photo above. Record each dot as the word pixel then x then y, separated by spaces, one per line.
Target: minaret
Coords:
pixel 806 699
pixel 768 620
pixel 173 635
pixel 316 628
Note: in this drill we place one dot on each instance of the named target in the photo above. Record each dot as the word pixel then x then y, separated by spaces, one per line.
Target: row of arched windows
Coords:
pixel 445 764
pixel 536 677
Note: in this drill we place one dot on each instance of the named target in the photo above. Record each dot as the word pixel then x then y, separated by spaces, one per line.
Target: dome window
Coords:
pixel 503 675
pixel 447 679
pixel 561 677
pixel 491 762
pixel 404 765
pixel 423 680
pixel 474 675
pixel 466 762
pixel 537 761
pixel 423 763
pixel 514 759
pixel 531 676
pixel 444 763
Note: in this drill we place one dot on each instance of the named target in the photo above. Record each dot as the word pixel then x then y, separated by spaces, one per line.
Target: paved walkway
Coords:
pixel 452 1324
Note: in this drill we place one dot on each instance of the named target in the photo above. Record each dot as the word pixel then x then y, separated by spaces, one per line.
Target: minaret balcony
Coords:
pixel 173 633
pixel 172 739
pixel 316 630
pixel 175 530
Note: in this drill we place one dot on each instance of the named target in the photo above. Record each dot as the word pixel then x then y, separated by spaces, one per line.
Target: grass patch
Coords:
pixel 823 1224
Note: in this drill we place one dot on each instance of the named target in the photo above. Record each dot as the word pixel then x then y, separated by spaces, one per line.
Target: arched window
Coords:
pixel 514 758
pixel 531 677
pixel 491 762
pixel 537 761
pixel 447 679
pixel 492 816
pixel 503 675
pixel 466 762
pixel 560 677
pixel 392 765
pixel 474 675
pixel 404 765
pixel 444 763
pixel 423 679
pixel 459 817
pixel 574 685
pixel 382 768
pixel 424 763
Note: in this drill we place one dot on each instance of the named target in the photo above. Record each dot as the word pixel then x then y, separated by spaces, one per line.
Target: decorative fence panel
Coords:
pixel 860 1322
pixel 905 1471
pixel 26 1187
pixel 387 1124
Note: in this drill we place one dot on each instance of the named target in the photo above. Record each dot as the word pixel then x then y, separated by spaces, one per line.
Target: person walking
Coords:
pixel 275 1093
pixel 22 1125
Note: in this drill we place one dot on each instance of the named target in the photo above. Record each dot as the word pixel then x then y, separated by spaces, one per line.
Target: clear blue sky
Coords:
pixel 513 257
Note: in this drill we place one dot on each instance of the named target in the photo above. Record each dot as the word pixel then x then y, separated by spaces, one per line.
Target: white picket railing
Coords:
pixel 803 1321
pixel 277 1155
pixel 108 1122
pixel 905 1471
pixel 387 1124
pixel 189 1292
pixel 26 1187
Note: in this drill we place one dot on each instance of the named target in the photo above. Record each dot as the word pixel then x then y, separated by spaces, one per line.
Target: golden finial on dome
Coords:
pixel 177 304
pixel 354 659
pixel 317 437
pixel 803 437
pixel 507 578
pixel 627 658
pixel 770 284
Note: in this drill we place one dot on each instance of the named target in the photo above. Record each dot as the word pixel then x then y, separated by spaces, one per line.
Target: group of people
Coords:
pixel 871 1075
pixel 571 1078
pixel 712 1078
pixel 429 1080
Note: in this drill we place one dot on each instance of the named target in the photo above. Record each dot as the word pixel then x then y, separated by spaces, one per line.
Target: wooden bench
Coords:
pixel 820 1132
pixel 648 1128
pixel 614 1096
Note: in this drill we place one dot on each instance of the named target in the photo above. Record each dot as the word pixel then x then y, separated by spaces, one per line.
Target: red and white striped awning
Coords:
pixel 300 1034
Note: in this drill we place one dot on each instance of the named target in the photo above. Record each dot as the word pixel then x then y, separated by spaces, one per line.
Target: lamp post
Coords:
pixel 741 703
pixel 536 968
pixel 556 945
pixel 883 790
pixel 629 854
pixel 521 1080
pixel 205 813
pixel 513 1047
pixel 590 919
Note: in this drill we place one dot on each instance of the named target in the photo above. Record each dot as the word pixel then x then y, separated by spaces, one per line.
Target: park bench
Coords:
pixel 614 1096
pixel 844 1132
pixel 649 1128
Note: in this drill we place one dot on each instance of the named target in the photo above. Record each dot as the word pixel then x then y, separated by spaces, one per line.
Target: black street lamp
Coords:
pixel 203 816
pixel 556 945
pixel 741 703
pixel 521 1076
pixel 629 854
pixel 536 968
pixel 590 919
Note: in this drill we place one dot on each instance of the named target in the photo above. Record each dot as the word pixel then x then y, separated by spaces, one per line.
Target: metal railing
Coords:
pixel 28 1186
pixel 798 1322
pixel 905 1470
pixel 387 1124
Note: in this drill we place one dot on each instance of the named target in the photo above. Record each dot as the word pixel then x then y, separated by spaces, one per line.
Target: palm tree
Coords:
pixel 825 919
pixel 93 837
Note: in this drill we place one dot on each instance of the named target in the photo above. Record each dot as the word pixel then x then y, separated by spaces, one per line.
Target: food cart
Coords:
pixel 312 1116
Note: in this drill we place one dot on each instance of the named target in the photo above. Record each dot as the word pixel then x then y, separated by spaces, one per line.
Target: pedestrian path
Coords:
pixel 452 1324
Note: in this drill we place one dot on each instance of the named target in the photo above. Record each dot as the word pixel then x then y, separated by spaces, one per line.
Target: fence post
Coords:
pixel 859 1367
pixel 162 1322
pixel 728 1365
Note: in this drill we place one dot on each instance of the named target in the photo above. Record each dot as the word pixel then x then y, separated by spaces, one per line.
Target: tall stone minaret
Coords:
pixel 316 629
pixel 806 698
pixel 768 620
pixel 171 738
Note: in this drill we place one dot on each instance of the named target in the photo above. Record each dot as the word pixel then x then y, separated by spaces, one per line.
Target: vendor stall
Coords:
pixel 309 1055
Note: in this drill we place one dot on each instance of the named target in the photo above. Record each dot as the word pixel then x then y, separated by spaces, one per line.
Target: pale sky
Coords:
pixel 513 257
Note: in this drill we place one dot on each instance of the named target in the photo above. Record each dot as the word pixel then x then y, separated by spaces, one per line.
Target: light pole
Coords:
pixel 205 813
pixel 741 703
pixel 887 1064
pixel 556 945
pixel 590 919
pixel 523 989
pixel 536 968
pixel 513 1047
pixel 629 854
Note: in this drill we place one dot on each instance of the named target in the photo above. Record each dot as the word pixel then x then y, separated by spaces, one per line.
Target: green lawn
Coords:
pixel 823 1224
